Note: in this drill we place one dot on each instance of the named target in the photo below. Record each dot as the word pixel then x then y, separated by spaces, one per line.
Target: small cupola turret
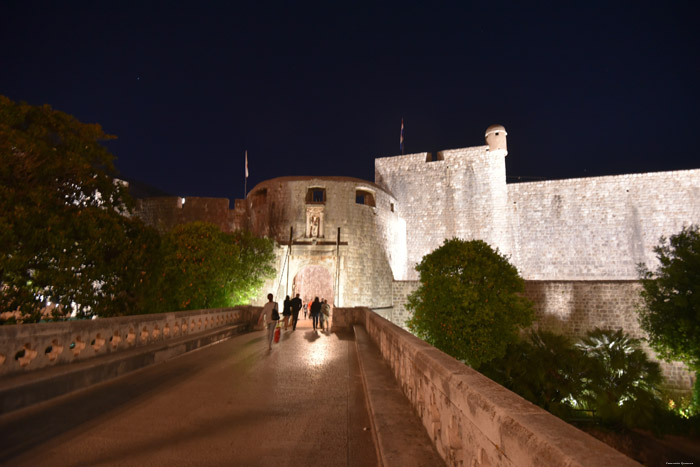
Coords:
pixel 496 139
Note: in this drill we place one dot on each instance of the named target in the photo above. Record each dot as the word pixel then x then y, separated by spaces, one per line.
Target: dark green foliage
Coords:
pixel 62 230
pixel 468 304
pixel 545 369
pixel 605 377
pixel 671 301
pixel 622 384
pixel 203 267
pixel 67 235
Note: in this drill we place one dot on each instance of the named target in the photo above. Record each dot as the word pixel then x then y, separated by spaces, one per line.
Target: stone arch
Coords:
pixel 314 281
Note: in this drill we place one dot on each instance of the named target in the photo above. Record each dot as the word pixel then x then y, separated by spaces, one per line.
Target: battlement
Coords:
pixel 166 212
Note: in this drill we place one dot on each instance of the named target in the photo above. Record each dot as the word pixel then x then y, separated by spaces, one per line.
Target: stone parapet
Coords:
pixel 470 419
pixel 27 348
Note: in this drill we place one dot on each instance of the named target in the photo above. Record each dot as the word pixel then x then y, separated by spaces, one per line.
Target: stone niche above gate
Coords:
pixel 314 221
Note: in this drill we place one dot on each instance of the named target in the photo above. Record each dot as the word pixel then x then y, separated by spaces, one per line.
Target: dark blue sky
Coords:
pixel 583 88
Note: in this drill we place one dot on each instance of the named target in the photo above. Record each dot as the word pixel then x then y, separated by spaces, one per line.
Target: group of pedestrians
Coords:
pixel 320 313
pixel 318 309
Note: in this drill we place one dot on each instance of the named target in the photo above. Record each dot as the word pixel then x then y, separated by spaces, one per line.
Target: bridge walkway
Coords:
pixel 233 403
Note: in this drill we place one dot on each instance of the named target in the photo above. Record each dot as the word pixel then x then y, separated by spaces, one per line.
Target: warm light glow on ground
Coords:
pixel 319 352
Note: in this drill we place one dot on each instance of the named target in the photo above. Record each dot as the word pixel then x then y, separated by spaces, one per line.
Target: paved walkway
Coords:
pixel 234 403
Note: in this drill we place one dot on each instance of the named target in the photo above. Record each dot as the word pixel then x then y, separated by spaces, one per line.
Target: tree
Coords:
pixel 64 228
pixel 203 267
pixel 670 314
pixel 252 264
pixel 469 303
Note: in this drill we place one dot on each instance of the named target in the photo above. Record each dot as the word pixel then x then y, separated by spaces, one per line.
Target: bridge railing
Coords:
pixel 29 347
pixel 471 419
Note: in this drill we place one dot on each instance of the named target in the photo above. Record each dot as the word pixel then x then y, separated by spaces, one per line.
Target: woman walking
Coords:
pixel 287 311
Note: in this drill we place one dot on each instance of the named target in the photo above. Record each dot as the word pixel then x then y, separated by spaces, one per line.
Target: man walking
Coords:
pixel 296 306
pixel 315 312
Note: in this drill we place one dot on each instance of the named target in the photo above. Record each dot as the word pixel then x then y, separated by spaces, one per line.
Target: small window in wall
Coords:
pixel 259 197
pixel 316 196
pixel 439 156
pixel 364 197
pixel 392 207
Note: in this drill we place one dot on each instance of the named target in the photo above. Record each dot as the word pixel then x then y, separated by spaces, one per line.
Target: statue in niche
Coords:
pixel 315 222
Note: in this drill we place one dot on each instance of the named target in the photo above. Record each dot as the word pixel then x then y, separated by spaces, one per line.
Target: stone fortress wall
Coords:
pixel 165 212
pixel 456 193
pixel 371 252
pixel 576 242
pixel 597 228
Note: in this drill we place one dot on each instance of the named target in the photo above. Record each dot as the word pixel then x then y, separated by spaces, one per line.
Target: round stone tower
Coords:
pixel 496 139
pixel 356 269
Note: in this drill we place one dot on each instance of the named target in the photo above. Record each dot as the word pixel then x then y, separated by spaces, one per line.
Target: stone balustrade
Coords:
pixel 471 419
pixel 29 347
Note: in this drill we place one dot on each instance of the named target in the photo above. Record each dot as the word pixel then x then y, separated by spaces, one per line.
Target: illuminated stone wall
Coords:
pixel 573 308
pixel 375 252
pixel 591 229
pixel 597 228
pixel 399 314
pixel 460 194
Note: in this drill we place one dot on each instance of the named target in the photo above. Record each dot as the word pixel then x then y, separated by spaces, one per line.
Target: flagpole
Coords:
pixel 245 183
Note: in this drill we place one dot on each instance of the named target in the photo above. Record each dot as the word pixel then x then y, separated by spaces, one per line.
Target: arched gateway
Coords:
pixel 314 281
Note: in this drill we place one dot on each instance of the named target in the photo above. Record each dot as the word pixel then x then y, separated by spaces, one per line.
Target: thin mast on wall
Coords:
pixel 285 264
pixel 245 183
pixel 337 269
pixel 289 253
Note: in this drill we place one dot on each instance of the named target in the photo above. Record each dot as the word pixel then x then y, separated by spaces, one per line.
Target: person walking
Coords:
pixel 315 312
pixel 326 314
pixel 269 316
pixel 287 311
pixel 296 306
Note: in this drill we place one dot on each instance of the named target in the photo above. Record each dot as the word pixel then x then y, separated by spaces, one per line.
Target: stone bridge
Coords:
pixel 112 392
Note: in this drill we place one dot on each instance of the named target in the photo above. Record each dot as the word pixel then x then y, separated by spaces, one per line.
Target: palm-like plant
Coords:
pixel 621 383
pixel 545 369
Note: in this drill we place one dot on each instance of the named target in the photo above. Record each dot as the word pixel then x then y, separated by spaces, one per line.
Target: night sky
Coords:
pixel 599 88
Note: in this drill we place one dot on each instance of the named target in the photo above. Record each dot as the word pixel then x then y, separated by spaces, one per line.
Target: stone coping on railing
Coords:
pixel 471 419
pixel 29 347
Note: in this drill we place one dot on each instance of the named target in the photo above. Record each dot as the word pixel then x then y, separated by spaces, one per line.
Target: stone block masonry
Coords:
pixel 573 308
pixel 456 193
pixel 41 361
pixel 164 213
pixel 372 235
pixel 470 419
pixel 597 228
pixel 400 292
